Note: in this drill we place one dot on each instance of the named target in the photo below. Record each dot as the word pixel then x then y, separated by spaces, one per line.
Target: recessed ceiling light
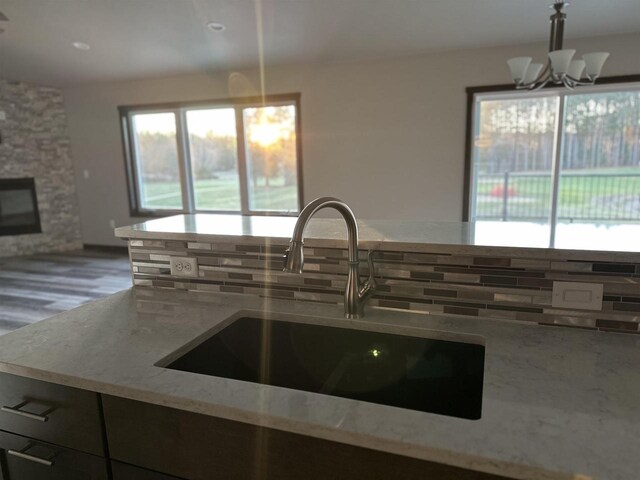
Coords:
pixel 216 26
pixel 81 45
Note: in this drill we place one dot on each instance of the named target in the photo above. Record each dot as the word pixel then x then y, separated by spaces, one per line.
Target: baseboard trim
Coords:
pixel 105 248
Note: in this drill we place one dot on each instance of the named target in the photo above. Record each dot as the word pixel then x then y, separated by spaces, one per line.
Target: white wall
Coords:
pixel 386 136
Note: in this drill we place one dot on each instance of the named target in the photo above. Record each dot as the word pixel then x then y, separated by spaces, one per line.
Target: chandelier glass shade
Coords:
pixel 560 68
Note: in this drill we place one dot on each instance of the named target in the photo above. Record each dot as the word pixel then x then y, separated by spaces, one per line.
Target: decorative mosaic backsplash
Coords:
pixel 512 289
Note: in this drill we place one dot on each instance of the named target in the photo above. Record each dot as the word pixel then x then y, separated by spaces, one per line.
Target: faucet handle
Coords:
pixel 285 259
pixel 371 281
pixel 368 288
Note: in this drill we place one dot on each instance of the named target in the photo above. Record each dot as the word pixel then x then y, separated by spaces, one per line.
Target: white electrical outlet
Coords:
pixel 112 223
pixel 583 296
pixel 184 266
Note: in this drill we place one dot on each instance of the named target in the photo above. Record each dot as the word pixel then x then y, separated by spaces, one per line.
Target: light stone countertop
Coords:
pixel 573 241
pixel 558 403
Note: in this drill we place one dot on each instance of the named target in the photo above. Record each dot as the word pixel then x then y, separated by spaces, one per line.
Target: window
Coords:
pixel 555 156
pixel 156 152
pixel 233 156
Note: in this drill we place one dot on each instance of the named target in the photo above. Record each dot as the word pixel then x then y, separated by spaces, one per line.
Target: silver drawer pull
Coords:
pixel 16 411
pixel 32 458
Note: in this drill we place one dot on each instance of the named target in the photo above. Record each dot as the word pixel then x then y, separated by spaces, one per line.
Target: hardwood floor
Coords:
pixel 35 287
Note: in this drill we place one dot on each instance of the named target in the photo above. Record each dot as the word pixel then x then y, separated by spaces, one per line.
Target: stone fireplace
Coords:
pixel 38 206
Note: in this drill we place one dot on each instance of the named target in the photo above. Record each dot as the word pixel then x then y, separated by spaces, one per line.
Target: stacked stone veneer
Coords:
pixel 35 143
pixel 513 289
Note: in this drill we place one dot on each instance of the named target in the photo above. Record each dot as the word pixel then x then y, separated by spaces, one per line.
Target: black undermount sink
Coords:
pixel 429 375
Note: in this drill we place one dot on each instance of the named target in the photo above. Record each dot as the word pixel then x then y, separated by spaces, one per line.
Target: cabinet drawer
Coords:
pixel 122 471
pixel 200 447
pixel 25 459
pixel 53 413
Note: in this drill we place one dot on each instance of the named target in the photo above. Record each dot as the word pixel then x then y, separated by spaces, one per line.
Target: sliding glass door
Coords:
pixel 600 162
pixel 514 157
pixel 556 156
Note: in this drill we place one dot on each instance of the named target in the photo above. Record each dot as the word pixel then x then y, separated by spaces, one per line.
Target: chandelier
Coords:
pixel 560 68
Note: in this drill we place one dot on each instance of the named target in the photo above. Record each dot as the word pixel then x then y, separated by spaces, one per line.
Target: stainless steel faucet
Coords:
pixel 356 293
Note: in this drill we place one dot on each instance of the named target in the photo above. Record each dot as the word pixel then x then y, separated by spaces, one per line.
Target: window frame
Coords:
pixel 179 109
pixel 503 92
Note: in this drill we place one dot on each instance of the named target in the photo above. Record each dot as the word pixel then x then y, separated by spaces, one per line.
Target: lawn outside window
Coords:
pixel 554 155
pixel 224 156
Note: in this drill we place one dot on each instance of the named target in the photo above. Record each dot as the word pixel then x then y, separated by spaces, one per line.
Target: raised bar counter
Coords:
pixel 595 242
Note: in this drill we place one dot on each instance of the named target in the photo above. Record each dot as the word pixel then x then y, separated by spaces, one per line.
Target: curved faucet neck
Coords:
pixel 344 210
pixel 355 293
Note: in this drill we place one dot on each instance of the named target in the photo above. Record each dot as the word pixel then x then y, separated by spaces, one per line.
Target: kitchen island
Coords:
pixel 557 403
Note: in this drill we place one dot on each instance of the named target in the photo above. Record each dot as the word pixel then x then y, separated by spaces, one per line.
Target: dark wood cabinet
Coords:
pixel 200 447
pixel 122 471
pixel 54 413
pixel 54 432
pixel 22 458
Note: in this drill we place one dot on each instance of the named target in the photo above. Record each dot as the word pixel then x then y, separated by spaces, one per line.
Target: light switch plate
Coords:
pixel 184 266
pixel 582 296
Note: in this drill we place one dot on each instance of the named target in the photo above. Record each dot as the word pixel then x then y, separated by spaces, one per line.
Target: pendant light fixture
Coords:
pixel 561 68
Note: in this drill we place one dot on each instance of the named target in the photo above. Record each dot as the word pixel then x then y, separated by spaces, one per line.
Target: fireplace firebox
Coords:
pixel 18 207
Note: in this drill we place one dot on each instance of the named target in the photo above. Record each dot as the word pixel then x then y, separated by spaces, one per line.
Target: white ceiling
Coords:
pixel 143 38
